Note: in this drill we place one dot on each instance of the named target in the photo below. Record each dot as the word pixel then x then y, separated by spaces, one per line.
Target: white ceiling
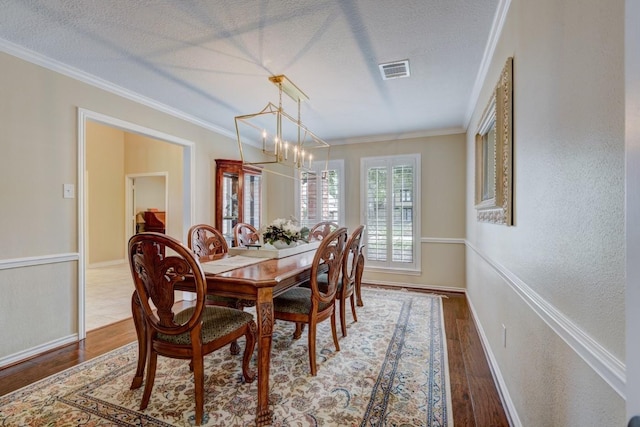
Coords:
pixel 209 61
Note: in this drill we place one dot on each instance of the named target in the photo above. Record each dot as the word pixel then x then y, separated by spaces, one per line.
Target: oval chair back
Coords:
pixel 245 234
pixel 321 230
pixel 329 257
pixel 155 276
pixel 206 242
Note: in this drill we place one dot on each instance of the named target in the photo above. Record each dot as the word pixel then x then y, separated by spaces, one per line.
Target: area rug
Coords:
pixel 391 371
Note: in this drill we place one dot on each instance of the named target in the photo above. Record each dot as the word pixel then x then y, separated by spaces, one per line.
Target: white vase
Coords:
pixel 280 244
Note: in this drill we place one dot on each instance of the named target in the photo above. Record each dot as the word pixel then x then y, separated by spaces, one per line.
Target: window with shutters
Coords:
pixel 391 202
pixel 320 194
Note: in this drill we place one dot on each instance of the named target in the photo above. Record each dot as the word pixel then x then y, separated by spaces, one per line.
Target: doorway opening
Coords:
pixel 146 192
pixel 178 209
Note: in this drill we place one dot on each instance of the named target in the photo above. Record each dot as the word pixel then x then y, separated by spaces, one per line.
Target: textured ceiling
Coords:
pixel 210 60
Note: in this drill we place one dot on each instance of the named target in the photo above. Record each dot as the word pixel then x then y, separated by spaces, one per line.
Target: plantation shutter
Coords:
pixel 390 214
pixel 320 194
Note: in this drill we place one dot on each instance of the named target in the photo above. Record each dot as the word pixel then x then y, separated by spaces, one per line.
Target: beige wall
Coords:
pixel 442 211
pixel 39 252
pixel 105 149
pixel 111 154
pixel 555 279
pixel 147 155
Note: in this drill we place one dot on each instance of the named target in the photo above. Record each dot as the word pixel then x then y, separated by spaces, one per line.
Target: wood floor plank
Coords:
pixel 487 405
pixel 460 398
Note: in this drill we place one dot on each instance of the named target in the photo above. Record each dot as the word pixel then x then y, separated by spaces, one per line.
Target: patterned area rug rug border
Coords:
pixel 392 370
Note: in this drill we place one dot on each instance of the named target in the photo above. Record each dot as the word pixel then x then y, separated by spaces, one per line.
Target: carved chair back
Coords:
pixel 206 242
pixel 321 230
pixel 155 276
pixel 245 234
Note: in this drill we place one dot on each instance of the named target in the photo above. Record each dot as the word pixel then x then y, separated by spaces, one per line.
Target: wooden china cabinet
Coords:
pixel 238 195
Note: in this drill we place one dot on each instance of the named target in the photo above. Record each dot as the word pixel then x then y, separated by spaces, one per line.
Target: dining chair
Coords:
pixel 188 334
pixel 318 232
pixel 312 305
pixel 245 234
pixel 348 285
pixel 321 230
pixel 351 274
pixel 208 243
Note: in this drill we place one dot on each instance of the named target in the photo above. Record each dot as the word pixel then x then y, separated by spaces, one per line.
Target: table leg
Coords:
pixel 264 309
pixel 138 321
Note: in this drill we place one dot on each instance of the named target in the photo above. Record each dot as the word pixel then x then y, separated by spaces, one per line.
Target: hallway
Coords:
pixel 107 295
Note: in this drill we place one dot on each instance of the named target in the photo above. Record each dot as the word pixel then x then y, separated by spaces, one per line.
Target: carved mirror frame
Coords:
pixel 493 151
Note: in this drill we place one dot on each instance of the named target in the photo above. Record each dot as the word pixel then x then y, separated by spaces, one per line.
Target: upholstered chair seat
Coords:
pixel 217 322
pixel 297 301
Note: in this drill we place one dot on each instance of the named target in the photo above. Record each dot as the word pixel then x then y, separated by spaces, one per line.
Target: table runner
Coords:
pixel 229 263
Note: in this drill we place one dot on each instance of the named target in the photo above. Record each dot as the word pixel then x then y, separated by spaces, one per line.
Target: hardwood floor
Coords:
pixel 475 398
pixel 474 395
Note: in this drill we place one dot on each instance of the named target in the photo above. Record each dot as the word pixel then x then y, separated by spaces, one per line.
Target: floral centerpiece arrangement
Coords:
pixel 283 230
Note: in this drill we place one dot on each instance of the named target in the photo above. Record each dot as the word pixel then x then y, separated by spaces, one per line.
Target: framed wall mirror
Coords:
pixel 493 151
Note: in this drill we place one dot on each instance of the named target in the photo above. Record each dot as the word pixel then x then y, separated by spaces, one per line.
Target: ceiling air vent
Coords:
pixel 394 70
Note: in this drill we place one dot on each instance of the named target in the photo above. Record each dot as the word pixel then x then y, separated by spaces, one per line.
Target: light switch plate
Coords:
pixel 68 191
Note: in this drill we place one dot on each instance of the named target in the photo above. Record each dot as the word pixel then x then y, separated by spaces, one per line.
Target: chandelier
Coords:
pixel 284 139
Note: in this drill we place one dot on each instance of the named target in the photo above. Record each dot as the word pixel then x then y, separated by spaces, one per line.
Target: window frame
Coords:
pixel 318 167
pixel 389 161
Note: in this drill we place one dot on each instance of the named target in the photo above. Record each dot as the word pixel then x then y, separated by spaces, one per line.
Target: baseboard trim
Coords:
pixel 606 365
pixel 414 286
pixel 6 264
pixel 38 350
pixel 107 263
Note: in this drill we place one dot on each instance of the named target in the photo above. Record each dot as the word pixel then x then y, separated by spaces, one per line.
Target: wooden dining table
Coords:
pixel 259 282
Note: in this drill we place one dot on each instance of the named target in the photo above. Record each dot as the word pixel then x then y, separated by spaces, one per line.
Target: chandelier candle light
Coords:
pixel 287 142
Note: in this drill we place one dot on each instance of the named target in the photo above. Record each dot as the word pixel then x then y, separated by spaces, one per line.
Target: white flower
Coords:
pixel 282 229
pixel 279 222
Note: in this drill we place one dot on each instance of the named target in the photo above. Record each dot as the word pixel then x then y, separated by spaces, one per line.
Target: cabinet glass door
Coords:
pixel 229 204
pixel 252 200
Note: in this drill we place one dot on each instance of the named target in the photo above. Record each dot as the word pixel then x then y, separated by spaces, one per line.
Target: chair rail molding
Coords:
pixel 446 240
pixel 6 264
pixel 605 364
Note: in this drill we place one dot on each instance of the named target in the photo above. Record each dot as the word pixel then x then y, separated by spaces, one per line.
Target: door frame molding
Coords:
pixel 128 204
pixel 189 179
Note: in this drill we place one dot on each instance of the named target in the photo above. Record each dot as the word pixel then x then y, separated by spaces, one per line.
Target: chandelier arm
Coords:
pixel 306 141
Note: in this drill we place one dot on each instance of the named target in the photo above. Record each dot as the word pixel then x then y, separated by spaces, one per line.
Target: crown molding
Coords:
pixel 58 67
pixel 489 50
pixel 397 136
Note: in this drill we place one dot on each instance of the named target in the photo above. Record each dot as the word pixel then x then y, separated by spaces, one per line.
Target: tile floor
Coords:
pixel 108 295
